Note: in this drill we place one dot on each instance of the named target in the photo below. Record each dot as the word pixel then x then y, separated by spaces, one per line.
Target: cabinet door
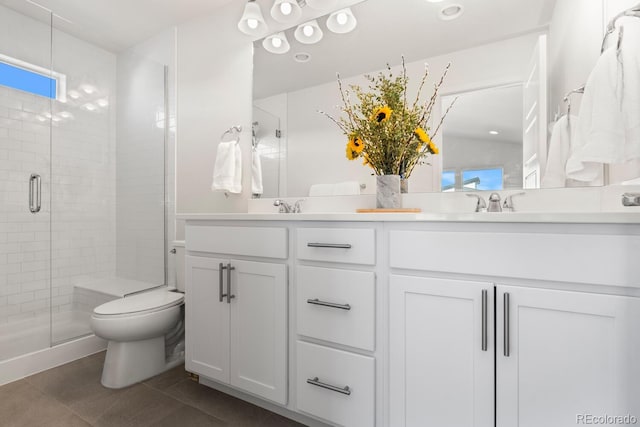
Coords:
pixel 441 369
pixel 259 329
pixel 570 355
pixel 207 319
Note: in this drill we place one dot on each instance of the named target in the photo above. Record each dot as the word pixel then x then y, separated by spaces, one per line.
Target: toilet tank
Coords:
pixel 178 245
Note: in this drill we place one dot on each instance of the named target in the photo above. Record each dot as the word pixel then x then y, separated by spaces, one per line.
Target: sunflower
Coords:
pixel 351 154
pixel 432 148
pixel 422 135
pixel 356 144
pixel 381 114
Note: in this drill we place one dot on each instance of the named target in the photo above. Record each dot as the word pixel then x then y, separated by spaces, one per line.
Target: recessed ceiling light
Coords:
pixel 302 57
pixel 450 12
pixel 494 132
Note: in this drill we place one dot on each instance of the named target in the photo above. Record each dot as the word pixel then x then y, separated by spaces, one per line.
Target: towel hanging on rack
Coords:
pixel 609 121
pixel 227 171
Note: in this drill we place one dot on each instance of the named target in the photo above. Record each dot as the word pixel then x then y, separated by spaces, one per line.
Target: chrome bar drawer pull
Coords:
pixel 330 245
pixel 314 381
pixel 35 193
pixel 506 325
pixel 228 294
pixel 221 268
pixel 484 319
pixel 316 301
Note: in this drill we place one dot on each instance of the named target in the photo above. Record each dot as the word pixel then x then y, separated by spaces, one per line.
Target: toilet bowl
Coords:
pixel 135 328
pixel 145 331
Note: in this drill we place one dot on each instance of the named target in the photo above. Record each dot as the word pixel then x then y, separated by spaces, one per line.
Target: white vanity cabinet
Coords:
pixel 561 355
pixel 441 352
pixel 413 323
pixel 236 316
pixel 335 324
pixel 562 350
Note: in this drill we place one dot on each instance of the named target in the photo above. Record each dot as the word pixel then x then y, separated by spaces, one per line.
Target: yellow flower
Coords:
pixel 381 114
pixel 432 148
pixel 356 144
pixel 366 161
pixel 422 135
pixel 351 154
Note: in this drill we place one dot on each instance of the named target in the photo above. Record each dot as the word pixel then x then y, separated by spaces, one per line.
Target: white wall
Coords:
pixel 316 147
pixel 215 67
pixel 141 158
pixel 81 195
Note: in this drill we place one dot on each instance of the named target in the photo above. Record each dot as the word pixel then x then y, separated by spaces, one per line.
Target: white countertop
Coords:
pixel 504 217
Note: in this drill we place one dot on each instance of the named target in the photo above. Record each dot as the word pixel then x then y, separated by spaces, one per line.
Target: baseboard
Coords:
pixel 41 360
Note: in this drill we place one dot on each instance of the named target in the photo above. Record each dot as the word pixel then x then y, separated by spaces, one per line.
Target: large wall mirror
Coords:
pixel 512 63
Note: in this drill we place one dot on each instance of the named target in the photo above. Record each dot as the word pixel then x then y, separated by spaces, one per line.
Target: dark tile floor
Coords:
pixel 71 396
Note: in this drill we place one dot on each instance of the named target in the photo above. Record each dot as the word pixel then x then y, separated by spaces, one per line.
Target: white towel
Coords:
pixel 317 190
pixel 227 171
pixel 559 148
pixel 609 122
pixel 346 188
pixel 256 173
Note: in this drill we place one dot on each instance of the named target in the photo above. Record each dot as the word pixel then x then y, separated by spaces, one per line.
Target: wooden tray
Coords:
pixel 399 210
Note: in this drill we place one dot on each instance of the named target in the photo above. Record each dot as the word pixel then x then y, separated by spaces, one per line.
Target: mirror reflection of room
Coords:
pixel 543 52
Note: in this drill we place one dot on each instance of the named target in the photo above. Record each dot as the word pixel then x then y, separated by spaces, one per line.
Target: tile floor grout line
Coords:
pixel 184 402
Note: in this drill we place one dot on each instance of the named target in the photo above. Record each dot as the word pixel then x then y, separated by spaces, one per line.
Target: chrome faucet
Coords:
pixel 508 202
pixel 494 203
pixel 481 205
pixel 287 208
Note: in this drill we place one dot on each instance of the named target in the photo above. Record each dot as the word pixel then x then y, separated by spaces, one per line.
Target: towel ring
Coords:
pixel 231 131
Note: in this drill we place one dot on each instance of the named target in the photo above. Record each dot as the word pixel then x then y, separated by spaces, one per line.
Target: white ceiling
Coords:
pixel 118 24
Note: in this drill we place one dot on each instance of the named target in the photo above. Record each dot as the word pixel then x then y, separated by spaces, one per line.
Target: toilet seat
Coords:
pixel 146 302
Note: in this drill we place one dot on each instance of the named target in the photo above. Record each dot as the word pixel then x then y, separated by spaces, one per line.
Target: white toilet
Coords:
pixel 145 332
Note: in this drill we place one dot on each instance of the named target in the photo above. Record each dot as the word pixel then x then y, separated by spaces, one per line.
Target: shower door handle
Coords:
pixel 35 193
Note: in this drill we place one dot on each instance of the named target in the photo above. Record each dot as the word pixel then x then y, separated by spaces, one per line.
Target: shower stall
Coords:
pixel 85 138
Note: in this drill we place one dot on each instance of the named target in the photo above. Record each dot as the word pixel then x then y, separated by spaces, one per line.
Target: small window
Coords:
pixel 448 181
pixel 482 179
pixel 30 78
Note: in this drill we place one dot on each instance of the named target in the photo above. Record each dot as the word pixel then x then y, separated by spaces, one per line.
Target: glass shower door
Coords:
pixel 28 90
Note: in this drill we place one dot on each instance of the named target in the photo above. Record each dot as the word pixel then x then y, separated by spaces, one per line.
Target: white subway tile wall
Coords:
pixel 102 185
pixel 24 237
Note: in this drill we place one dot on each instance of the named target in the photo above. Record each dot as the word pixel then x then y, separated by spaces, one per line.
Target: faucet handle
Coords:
pixel 508 201
pixel 481 205
pixel 297 208
pixel 284 206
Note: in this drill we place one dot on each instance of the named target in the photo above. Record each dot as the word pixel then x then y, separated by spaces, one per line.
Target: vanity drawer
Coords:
pixel 319 367
pixel 266 242
pixel 336 305
pixel 343 245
